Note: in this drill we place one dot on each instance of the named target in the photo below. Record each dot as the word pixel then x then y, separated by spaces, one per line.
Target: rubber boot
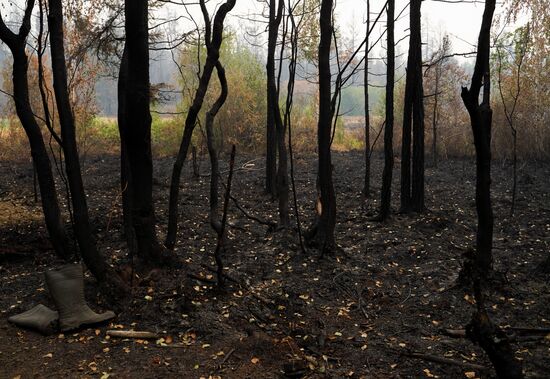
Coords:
pixel 40 318
pixel 66 286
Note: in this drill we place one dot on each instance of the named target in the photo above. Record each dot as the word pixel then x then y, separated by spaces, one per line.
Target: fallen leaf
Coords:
pixel 428 373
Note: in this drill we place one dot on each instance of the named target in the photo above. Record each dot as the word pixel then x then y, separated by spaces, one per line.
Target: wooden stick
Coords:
pixel 447 361
pixel 219 245
pixel 132 334
pixel 455 333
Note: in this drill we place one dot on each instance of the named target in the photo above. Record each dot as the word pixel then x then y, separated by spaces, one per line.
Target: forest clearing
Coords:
pixel 274 189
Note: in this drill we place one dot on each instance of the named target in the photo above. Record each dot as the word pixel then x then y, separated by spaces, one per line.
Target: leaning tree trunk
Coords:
pixel 50 205
pixel 417 196
pixel 388 129
pixel 213 53
pixel 82 228
pixel 322 232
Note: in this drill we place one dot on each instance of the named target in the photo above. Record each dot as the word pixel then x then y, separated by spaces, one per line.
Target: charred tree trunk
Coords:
pixel 481 330
pixel 50 205
pixel 388 128
pixel 125 169
pixel 366 187
pixel 213 151
pixel 273 107
pixel 322 232
pixel 417 196
pixel 275 15
pixel 407 127
pixel 413 115
pixel 82 228
pixel 495 343
pixel 215 35
pixel 137 124
pixel 481 120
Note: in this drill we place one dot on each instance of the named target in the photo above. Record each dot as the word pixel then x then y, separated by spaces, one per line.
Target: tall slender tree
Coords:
pixel 322 232
pixel 16 43
pixel 417 196
pixel 126 186
pixel 275 16
pixel 385 202
pixel 481 117
pixel 413 115
pixel 366 188
pixel 274 112
pixel 214 33
pixel 82 228
pixel 137 128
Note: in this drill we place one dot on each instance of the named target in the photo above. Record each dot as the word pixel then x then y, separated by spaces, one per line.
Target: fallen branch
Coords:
pixel 132 334
pixel 455 333
pixel 447 361
pixel 518 334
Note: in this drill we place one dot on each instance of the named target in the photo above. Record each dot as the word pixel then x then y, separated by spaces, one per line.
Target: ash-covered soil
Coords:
pixel 388 292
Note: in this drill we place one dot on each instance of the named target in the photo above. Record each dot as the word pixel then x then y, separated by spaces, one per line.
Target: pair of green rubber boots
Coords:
pixel 66 287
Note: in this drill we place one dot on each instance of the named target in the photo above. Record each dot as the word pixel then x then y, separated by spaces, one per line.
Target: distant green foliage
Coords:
pixel 242 118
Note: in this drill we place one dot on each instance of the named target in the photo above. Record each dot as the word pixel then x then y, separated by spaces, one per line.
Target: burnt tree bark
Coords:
pixel 366 187
pixel 481 120
pixel 137 129
pixel 48 193
pixel 413 115
pixel 215 35
pixel 213 151
pixel 407 125
pixel 385 202
pixel 82 228
pixel 275 16
pixel 322 231
pixel 417 196
pixel 126 187
pixel 481 330
pixel 280 126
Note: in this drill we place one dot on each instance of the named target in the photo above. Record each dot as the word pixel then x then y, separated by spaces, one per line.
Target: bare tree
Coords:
pixel 214 33
pixel 481 117
pixel 273 118
pixel 366 188
pixel 321 233
pixel 50 206
pixel 509 111
pixel 439 59
pixel 82 228
pixel 413 113
pixel 385 202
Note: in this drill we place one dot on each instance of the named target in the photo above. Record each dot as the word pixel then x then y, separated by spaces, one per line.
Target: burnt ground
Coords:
pixel 389 291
